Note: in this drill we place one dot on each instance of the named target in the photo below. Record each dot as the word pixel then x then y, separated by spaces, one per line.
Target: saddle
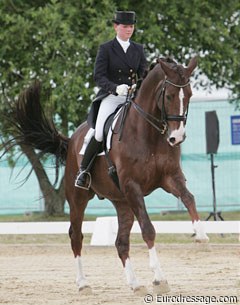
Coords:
pixel 109 129
pixel 121 113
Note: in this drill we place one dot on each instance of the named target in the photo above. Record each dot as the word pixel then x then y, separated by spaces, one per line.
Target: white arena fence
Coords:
pixel 104 229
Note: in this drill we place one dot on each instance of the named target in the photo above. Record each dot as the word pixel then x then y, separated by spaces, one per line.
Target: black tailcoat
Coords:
pixel 114 67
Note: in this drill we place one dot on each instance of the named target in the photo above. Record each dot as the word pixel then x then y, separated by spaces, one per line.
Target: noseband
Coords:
pixel 155 122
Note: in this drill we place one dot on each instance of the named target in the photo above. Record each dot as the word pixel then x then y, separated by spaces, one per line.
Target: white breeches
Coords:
pixel 107 107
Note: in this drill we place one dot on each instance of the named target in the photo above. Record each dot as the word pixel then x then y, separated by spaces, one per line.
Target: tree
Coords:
pixel 56 42
pixel 47 40
pixel 210 29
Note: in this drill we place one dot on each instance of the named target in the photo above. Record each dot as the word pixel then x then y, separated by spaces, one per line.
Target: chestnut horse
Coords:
pixel 146 158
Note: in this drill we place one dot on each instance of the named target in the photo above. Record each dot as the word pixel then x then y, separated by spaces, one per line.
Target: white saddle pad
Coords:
pixel 91 132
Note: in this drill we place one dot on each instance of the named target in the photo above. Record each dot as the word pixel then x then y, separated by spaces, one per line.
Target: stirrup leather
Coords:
pixel 88 180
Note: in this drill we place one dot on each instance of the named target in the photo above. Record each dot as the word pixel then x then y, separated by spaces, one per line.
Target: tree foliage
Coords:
pixel 50 41
pixel 56 42
pixel 210 29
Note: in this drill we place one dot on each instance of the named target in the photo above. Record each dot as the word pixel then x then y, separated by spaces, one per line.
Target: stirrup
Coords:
pixel 89 177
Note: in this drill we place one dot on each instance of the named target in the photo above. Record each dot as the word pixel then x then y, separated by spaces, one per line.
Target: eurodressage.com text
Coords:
pixel 158 299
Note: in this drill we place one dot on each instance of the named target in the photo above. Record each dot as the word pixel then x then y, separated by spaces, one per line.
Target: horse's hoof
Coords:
pixel 85 290
pixel 140 291
pixel 160 287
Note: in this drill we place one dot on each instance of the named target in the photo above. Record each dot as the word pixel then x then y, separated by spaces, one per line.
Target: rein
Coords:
pixel 151 119
pixel 155 122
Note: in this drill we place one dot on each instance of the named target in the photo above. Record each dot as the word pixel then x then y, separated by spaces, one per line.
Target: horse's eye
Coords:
pixel 168 97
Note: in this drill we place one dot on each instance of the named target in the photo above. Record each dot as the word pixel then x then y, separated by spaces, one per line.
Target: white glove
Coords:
pixel 122 89
pixel 134 86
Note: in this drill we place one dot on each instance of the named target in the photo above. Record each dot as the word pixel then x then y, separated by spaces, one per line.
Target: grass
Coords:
pixel 63 239
pixel 171 215
pixel 38 216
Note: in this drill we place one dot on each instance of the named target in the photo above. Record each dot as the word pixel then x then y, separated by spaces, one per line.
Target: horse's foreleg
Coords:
pixel 160 284
pixel 125 222
pixel 134 196
pixel 177 186
pixel 189 202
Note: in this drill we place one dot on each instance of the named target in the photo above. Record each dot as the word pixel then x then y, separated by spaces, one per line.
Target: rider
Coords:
pixel 118 64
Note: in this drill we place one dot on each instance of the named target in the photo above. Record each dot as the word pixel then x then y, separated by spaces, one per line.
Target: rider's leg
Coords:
pixel 91 152
pixel 107 107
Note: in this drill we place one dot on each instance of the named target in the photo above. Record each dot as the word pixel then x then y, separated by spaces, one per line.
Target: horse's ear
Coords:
pixel 168 71
pixel 191 66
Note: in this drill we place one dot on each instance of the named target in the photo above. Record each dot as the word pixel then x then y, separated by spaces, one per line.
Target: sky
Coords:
pixel 213 94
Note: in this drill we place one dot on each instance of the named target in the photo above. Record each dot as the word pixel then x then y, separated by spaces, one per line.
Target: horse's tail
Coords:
pixel 35 129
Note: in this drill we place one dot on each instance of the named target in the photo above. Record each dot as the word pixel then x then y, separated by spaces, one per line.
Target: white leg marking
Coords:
pixel 155 265
pixel 81 280
pixel 200 232
pixel 131 278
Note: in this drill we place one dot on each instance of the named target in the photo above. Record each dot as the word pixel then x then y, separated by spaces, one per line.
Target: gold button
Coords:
pixel 129 77
pixel 131 70
pixel 119 70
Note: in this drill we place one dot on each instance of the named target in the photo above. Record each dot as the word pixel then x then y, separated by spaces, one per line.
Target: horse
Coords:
pixel 146 158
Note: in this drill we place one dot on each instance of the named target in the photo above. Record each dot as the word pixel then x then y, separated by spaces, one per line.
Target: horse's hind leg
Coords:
pixel 134 196
pixel 125 222
pixel 78 202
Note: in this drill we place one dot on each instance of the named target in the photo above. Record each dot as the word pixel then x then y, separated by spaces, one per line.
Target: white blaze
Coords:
pixel 181 101
pixel 179 133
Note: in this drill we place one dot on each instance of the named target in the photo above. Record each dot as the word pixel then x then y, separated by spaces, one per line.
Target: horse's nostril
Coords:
pixel 172 140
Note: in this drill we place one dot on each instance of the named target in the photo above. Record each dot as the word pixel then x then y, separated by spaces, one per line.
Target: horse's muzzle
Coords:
pixel 174 140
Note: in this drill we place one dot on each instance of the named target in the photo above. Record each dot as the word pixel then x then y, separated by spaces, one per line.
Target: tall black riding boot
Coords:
pixel 92 149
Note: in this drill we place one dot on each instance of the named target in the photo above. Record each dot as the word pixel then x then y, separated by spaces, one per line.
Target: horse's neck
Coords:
pixel 143 130
pixel 149 92
pixel 147 99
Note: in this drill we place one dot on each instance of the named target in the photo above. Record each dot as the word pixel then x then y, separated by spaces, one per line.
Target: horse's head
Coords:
pixel 174 98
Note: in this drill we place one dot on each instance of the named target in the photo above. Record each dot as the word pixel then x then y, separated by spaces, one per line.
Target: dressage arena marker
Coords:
pixel 104 229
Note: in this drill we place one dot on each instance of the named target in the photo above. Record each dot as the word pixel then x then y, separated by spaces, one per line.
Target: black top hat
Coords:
pixel 124 17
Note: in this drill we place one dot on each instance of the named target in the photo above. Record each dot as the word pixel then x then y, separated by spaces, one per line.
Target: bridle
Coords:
pixel 161 124
pixel 165 116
